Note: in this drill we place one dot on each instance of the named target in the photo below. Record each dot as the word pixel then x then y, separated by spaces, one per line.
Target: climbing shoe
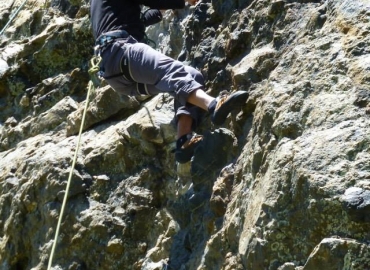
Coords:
pixel 224 104
pixel 185 147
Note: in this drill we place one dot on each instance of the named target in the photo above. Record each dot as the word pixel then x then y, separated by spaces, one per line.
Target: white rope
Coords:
pixel 12 17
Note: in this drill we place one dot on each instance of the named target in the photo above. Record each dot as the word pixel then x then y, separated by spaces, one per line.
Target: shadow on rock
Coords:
pixel 217 149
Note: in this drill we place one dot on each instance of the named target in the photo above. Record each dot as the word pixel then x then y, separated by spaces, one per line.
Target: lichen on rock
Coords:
pixel 283 185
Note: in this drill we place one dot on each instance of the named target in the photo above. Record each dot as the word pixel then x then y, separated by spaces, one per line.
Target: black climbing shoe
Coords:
pixel 185 147
pixel 226 103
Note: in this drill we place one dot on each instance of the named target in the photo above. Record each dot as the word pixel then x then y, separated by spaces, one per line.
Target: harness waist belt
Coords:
pixel 109 37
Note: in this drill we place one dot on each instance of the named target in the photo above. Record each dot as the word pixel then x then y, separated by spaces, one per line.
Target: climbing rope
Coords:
pixel 12 17
pixel 93 83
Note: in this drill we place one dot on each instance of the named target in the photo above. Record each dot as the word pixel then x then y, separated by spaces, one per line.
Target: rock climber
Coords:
pixel 132 67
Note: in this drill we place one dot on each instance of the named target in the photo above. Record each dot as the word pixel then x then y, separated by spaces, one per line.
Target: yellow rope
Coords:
pixel 95 61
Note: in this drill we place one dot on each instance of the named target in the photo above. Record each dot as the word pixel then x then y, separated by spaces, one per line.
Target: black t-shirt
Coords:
pixel 110 15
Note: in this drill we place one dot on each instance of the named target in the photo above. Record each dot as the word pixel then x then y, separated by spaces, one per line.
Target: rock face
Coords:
pixel 284 184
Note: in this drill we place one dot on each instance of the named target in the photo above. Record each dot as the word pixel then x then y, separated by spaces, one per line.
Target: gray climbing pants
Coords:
pixel 151 72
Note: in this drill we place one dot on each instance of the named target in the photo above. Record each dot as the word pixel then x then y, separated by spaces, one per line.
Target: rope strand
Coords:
pixel 92 71
pixel 12 17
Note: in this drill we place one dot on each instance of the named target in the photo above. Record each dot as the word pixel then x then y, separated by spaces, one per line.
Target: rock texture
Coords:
pixel 283 185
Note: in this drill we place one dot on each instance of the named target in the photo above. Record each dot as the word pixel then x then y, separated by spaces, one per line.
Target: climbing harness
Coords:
pixel 101 44
pixel 93 83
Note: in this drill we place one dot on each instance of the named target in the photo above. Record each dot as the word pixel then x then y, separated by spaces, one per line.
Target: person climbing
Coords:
pixel 131 67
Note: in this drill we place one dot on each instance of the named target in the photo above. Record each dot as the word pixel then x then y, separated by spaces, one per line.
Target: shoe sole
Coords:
pixel 234 101
pixel 184 155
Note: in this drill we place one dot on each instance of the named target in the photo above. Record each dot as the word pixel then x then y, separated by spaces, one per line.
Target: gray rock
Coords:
pixel 334 252
pixel 283 184
pixel 357 202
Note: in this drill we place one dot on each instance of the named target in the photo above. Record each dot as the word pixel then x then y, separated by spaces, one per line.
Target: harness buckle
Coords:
pixel 111 36
pixel 97 49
